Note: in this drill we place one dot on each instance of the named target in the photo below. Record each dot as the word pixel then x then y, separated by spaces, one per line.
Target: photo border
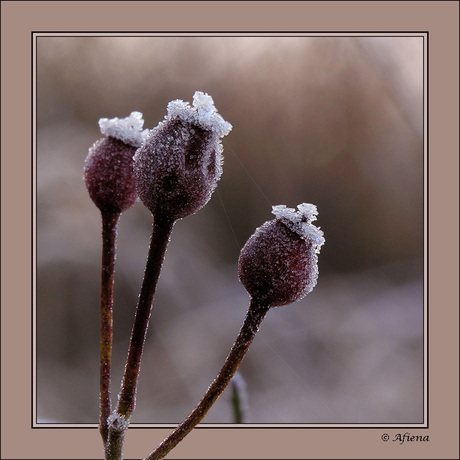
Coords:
pixel 440 20
pixel 230 34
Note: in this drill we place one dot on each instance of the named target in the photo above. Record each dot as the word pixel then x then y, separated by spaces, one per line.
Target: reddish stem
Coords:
pixel 127 397
pixel 254 317
pixel 159 241
pixel 109 236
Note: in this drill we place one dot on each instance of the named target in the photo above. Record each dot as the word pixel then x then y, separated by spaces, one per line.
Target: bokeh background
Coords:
pixel 334 121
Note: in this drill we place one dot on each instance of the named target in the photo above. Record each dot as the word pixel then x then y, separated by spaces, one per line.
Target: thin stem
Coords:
pixel 159 241
pixel 127 397
pixel 254 317
pixel 238 399
pixel 117 430
pixel 114 448
pixel 109 236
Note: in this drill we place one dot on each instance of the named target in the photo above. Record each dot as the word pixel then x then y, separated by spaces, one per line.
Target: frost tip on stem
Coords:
pixel 203 113
pixel 300 222
pixel 117 422
pixel 127 130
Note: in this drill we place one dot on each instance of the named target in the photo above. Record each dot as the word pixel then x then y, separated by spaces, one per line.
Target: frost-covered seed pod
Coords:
pixel 279 263
pixel 180 162
pixel 108 171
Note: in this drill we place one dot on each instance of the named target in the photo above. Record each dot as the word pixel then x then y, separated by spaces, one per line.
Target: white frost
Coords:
pixel 203 113
pixel 117 422
pixel 300 222
pixel 127 130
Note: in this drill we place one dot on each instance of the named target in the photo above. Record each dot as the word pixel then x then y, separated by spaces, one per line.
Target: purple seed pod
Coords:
pixel 178 165
pixel 108 171
pixel 279 263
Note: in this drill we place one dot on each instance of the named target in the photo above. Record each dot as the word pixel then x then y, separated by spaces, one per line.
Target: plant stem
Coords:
pixel 109 237
pixel 254 317
pixel 117 431
pixel 238 398
pixel 127 397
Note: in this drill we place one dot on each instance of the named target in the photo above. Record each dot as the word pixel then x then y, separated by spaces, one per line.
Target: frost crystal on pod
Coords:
pixel 127 130
pixel 203 114
pixel 300 221
pixel 180 161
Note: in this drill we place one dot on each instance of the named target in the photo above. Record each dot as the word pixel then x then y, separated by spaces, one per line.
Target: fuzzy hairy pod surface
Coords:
pixel 108 170
pixel 178 165
pixel 278 265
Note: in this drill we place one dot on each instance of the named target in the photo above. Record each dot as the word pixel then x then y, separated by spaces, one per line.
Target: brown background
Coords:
pixel 439 18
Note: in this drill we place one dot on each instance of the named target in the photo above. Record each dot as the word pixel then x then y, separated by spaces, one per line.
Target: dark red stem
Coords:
pixel 254 317
pixel 161 232
pixel 109 236
pixel 160 237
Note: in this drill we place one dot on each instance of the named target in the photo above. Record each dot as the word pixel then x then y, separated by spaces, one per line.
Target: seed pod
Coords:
pixel 178 165
pixel 108 171
pixel 278 264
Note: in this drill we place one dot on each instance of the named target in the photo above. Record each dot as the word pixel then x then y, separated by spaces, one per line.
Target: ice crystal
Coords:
pixel 300 221
pixel 127 130
pixel 203 114
pixel 117 422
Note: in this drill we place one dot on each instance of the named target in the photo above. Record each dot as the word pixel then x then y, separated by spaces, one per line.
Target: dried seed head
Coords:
pixel 279 263
pixel 180 162
pixel 108 171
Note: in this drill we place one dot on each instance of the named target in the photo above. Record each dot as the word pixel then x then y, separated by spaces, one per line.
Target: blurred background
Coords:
pixel 334 121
